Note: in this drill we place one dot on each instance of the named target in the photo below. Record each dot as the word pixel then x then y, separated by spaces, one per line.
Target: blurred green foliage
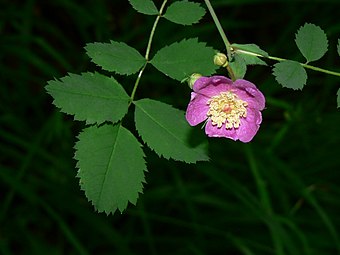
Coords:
pixel 291 207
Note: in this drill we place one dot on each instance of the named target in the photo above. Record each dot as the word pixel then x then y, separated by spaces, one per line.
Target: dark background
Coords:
pixel 277 195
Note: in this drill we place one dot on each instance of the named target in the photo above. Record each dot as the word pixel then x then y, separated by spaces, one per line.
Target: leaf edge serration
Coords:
pixel 113 70
pixel 206 158
pixel 279 81
pixel 154 12
pixel 112 209
pixel 300 30
pixel 185 24
pixel 75 116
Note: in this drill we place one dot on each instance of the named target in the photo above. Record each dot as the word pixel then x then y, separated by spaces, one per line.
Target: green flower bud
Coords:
pixel 193 78
pixel 220 59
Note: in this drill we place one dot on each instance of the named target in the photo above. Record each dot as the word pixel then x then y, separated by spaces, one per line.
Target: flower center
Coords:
pixel 226 108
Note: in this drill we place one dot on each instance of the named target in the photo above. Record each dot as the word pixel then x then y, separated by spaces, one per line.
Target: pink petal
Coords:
pixel 257 103
pixel 211 86
pixel 206 87
pixel 249 125
pixel 214 131
pixel 243 84
pixel 248 91
pixel 197 109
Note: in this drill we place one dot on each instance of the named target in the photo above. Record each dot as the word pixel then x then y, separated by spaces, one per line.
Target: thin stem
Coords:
pixel 318 69
pixel 219 28
pixel 148 48
pixel 223 35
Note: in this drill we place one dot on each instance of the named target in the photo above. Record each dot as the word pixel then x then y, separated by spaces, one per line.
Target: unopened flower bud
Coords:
pixel 220 59
pixel 193 78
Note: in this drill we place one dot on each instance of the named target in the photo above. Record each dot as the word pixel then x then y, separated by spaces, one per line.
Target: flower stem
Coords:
pixel 318 69
pixel 223 35
pixel 148 48
pixel 219 28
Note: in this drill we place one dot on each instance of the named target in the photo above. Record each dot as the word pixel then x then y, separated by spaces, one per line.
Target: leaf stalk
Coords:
pixel 147 53
pixel 318 69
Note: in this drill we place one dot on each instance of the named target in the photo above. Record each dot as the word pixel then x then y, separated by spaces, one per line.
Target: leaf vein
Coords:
pixel 108 164
pixel 157 122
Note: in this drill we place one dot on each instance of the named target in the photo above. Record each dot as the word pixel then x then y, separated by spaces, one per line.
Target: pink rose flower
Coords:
pixel 229 109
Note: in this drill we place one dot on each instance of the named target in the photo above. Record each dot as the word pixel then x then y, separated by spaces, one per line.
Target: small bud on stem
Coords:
pixel 221 59
pixel 193 78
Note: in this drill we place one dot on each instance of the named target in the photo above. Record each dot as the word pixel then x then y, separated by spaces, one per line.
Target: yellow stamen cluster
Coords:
pixel 226 108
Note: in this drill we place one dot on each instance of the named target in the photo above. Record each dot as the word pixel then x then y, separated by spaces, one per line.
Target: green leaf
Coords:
pixel 165 130
pixel 338 47
pixel 250 48
pixel 338 98
pixel 181 59
pixel 115 57
pixel 144 6
pixel 184 12
pixel 290 74
pixel 111 167
pixel 92 97
pixel 239 67
pixel 311 41
pixel 251 59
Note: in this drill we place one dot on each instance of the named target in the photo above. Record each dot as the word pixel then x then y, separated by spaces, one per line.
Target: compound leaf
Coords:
pixel 115 57
pixel 91 97
pixel 181 59
pixel 290 74
pixel 184 12
pixel 311 41
pixel 144 6
pixel 111 166
pixel 164 129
